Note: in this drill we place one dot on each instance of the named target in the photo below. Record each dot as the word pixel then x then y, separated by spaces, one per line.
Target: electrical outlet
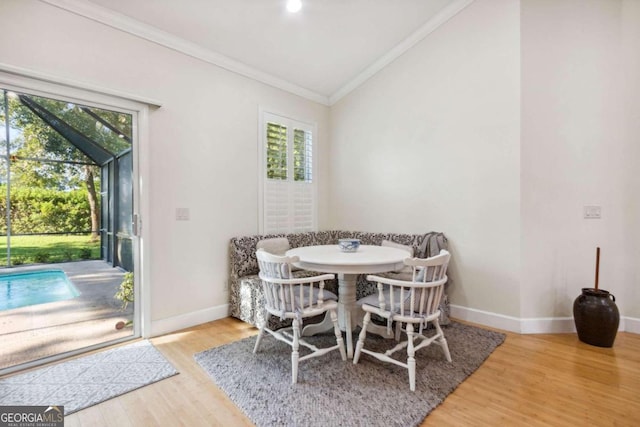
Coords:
pixel 592 212
pixel 226 287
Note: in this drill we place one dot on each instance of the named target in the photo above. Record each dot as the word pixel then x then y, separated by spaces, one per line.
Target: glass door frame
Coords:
pixel 46 86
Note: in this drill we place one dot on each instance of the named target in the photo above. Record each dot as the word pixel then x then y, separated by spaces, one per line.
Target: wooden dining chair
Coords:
pixel 295 298
pixel 410 304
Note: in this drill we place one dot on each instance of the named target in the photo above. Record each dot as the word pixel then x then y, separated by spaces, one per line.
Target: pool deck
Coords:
pixel 37 331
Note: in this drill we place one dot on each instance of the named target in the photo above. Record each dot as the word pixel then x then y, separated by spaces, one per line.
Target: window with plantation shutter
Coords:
pixel 287 180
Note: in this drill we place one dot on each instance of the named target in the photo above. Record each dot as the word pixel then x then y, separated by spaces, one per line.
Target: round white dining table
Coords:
pixel 347 265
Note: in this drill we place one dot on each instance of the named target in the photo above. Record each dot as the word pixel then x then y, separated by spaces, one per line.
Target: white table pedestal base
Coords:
pixel 348 314
pixel 346 303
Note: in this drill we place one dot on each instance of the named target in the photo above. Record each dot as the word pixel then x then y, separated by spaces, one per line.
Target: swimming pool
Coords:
pixel 37 287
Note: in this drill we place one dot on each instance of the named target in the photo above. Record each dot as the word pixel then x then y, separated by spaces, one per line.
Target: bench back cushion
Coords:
pixel 242 250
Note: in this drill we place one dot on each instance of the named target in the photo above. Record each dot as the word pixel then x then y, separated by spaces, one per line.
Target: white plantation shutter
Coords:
pixel 276 207
pixel 288 184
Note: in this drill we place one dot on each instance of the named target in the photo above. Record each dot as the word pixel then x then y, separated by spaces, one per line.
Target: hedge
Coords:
pixel 39 210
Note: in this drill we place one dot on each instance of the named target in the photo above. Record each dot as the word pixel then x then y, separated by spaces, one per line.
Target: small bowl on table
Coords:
pixel 348 245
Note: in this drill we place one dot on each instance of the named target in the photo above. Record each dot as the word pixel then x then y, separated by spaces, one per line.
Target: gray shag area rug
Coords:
pixel 79 383
pixel 332 392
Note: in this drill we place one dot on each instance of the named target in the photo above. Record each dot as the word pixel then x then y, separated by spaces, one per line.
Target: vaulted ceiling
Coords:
pixel 322 52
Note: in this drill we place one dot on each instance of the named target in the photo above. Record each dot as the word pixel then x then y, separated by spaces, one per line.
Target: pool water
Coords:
pixel 38 287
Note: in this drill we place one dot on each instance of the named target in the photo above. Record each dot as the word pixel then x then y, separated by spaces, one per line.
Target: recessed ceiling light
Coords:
pixel 294 6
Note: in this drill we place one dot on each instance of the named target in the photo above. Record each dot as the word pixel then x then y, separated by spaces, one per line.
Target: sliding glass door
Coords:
pixel 68 252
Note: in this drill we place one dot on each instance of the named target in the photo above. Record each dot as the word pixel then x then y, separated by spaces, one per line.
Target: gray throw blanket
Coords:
pixel 432 244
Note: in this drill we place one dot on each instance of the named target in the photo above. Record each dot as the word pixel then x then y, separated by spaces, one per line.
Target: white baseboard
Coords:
pixel 547 325
pixel 486 318
pixel 542 325
pixel 172 324
pixel 631 324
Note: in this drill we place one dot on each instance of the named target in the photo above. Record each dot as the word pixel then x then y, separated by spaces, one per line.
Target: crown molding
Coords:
pixel 132 26
pixel 139 29
pixel 430 26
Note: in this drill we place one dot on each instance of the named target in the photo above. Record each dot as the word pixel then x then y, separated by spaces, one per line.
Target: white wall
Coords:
pixel 432 143
pixel 203 143
pixel 497 129
pixel 580 146
pixel 631 72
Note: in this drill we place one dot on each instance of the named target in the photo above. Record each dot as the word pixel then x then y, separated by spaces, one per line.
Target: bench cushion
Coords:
pixel 246 290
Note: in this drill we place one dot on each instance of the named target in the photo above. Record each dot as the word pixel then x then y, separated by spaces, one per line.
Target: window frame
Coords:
pixel 268 115
pixel 50 86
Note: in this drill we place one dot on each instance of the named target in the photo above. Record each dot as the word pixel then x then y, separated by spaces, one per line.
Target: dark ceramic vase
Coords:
pixel 596 315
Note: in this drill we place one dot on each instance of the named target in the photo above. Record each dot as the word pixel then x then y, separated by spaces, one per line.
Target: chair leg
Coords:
pixel 442 340
pixel 411 360
pixel 336 329
pixel 261 333
pixel 295 355
pixel 361 338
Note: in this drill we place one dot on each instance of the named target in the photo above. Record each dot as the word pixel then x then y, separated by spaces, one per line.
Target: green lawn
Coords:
pixel 49 249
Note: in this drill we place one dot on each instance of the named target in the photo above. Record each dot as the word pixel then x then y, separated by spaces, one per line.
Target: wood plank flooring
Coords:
pixel 532 380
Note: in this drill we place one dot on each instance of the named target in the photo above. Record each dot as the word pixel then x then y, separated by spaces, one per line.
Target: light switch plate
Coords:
pixel 592 212
pixel 182 214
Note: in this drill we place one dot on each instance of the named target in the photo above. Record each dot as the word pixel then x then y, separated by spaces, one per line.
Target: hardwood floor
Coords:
pixel 532 380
